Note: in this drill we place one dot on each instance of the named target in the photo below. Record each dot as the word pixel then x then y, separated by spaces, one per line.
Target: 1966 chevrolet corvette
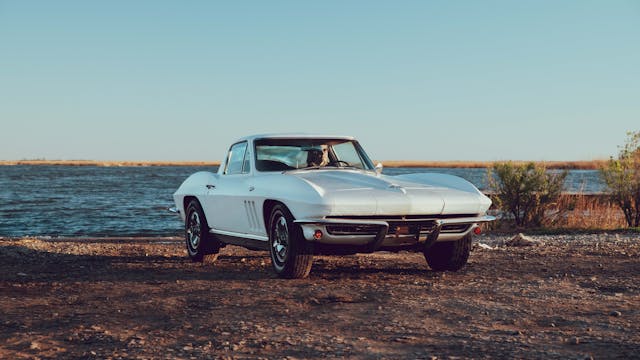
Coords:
pixel 300 195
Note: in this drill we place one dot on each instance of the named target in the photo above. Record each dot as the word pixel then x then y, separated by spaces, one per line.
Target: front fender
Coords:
pixel 440 180
pixel 301 197
pixel 450 182
pixel 194 185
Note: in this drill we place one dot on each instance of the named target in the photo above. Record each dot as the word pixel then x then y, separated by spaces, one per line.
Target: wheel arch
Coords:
pixel 267 207
pixel 187 199
pixel 185 203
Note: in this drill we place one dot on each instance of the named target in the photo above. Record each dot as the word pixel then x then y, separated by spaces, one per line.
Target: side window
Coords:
pixel 236 163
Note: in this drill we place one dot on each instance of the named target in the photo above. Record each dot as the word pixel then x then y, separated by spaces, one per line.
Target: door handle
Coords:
pixel 211 186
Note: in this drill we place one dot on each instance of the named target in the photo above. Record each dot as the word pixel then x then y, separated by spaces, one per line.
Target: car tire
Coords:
pixel 449 255
pixel 202 246
pixel 291 254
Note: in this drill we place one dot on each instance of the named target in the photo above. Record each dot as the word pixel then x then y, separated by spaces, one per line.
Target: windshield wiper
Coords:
pixel 315 167
pixel 318 167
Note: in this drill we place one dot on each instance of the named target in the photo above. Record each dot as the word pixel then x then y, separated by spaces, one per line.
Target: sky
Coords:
pixel 412 80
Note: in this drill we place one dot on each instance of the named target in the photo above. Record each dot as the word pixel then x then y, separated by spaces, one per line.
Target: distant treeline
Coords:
pixel 568 165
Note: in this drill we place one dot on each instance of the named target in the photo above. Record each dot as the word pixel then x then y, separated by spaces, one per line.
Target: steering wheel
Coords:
pixel 340 163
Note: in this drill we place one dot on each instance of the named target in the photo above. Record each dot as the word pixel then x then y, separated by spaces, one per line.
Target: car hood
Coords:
pixel 353 192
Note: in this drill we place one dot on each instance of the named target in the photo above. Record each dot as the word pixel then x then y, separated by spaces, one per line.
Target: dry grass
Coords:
pixel 587 211
pixel 108 163
pixel 574 211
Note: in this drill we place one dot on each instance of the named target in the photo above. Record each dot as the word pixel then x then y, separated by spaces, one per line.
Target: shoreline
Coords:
pixel 563 165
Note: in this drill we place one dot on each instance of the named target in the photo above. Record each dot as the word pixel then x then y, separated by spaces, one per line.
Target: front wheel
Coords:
pixel 201 245
pixel 449 255
pixel 291 254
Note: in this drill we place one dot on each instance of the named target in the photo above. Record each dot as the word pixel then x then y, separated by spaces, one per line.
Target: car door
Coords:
pixel 226 199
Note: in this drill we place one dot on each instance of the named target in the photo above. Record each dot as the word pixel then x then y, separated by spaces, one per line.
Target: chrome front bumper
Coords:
pixel 374 234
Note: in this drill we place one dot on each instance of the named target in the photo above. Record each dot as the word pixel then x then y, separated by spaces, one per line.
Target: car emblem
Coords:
pixel 396 186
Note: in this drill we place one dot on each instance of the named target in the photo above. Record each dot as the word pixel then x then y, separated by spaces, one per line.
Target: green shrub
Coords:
pixel 525 191
pixel 622 176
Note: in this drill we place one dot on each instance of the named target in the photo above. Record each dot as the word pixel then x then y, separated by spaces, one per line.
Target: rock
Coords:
pixel 21 274
pixel 314 301
pixel 615 313
pixel 484 246
pixel 34 346
pixel 522 240
pixel 574 340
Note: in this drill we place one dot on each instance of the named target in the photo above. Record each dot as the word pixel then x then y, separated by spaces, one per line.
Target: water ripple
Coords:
pixel 132 201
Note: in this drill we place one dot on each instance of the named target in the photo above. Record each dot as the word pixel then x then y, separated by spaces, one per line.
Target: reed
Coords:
pixel 572 211
pixel 587 211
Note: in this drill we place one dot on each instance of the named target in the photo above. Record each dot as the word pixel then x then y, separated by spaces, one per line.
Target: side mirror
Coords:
pixel 379 169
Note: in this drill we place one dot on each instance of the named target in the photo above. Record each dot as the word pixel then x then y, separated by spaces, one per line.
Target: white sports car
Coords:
pixel 300 195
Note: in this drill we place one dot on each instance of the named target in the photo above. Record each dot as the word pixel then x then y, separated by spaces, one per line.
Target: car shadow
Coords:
pixel 25 264
pixel 359 271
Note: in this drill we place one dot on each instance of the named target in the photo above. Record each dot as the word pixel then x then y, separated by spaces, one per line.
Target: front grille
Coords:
pixel 419 225
pixel 402 217
pixel 348 229
pixel 457 228
pixel 403 227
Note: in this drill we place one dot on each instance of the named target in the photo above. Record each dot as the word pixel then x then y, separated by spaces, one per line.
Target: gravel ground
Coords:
pixel 564 297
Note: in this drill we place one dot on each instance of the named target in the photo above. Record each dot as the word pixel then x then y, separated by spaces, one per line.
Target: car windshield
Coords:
pixel 292 154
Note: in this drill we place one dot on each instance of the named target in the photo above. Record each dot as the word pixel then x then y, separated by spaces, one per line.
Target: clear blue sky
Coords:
pixel 416 80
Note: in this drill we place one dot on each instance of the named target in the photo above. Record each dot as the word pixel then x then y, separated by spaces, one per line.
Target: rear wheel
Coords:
pixel 291 254
pixel 201 245
pixel 449 255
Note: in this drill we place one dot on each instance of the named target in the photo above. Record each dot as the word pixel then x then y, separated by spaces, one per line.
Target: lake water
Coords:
pixel 132 201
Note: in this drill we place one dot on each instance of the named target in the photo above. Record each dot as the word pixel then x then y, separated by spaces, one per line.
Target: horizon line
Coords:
pixel 553 164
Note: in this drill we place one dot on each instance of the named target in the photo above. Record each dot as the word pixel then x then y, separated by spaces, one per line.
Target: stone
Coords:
pixel 615 313
pixel 522 240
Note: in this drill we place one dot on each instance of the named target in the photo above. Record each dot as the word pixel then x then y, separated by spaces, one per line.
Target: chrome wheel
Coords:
pixel 194 232
pixel 201 245
pixel 280 239
pixel 291 254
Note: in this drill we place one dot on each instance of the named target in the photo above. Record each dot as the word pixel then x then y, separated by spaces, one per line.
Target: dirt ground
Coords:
pixel 573 297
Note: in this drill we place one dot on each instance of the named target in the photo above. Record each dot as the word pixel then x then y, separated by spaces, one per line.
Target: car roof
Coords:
pixel 294 136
